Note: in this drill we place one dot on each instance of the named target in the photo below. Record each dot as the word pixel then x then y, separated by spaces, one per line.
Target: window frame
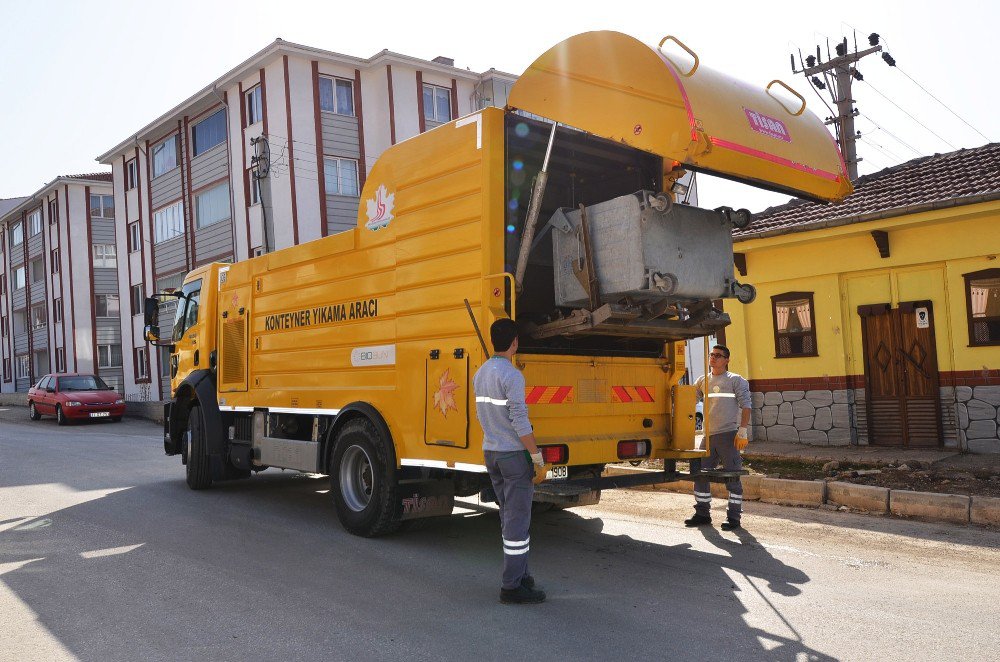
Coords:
pixel 57 310
pixel 101 207
pixel 4 329
pixel 131 174
pixel 253 103
pixel 35 223
pixel 108 252
pixel 22 366
pixel 794 296
pixel 434 90
pixel 17 234
pixel 155 150
pixel 196 150
pixel 110 355
pixel 40 322
pixel 60 359
pixel 54 259
pixel 53 211
pixel 134 236
pixel 7 370
pixel 141 361
pixel 969 319
pixel 37 262
pixel 336 81
pixel 106 315
pixel 179 205
pixel 198 225
pixel 137 302
pixel 22 269
pixel 357 177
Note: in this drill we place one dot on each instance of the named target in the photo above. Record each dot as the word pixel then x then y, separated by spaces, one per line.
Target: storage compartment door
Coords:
pixel 446 411
pixel 234 316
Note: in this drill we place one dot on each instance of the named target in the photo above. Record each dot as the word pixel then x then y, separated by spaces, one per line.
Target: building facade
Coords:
pixel 272 154
pixel 59 293
pixel 877 321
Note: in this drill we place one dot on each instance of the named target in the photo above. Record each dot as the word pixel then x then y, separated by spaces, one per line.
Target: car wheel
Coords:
pixel 363 480
pixel 60 416
pixel 33 412
pixel 198 472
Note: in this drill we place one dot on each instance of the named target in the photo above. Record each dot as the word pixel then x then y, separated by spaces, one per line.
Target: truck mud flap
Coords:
pixel 425 498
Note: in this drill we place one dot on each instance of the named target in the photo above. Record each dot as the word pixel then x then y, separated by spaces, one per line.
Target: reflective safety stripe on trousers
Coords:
pixel 515 547
pixel 704 497
pixel 492 401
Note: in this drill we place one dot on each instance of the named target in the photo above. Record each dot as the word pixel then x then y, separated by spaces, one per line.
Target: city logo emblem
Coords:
pixel 379 209
pixel 444 398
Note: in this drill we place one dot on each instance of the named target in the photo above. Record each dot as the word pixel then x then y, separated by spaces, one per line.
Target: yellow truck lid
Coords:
pixel 614 86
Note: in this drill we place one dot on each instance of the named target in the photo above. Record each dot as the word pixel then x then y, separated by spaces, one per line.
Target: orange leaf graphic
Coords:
pixel 444 398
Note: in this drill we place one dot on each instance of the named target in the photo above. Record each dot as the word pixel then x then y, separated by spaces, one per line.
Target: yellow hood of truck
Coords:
pixel 616 87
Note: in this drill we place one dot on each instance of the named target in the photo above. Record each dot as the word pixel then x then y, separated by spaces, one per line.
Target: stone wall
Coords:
pixel 978 412
pixel 820 418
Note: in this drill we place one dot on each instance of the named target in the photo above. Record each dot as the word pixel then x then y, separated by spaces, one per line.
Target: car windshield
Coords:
pixel 82 383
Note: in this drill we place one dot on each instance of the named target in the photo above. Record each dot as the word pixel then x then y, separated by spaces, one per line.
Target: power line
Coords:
pixel 927 92
pixel 893 135
pixel 909 115
pixel 885 151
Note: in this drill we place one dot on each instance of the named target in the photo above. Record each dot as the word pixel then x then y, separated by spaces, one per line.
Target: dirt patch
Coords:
pixel 916 476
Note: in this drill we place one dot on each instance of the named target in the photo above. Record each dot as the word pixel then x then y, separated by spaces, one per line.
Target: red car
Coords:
pixel 74 397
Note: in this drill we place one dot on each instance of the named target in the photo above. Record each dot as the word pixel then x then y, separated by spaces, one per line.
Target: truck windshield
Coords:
pixel 186 314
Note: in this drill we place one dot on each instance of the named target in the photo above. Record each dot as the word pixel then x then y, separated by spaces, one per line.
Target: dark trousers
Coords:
pixel 512 474
pixel 722 449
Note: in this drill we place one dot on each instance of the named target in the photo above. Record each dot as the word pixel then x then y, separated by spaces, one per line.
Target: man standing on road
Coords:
pixel 727 411
pixel 511 457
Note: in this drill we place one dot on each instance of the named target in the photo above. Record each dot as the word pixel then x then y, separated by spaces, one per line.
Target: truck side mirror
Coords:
pixel 151 316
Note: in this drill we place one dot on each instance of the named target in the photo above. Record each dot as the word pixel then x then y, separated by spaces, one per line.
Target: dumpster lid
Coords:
pixel 614 86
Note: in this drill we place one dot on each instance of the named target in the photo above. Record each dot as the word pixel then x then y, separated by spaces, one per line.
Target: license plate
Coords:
pixel 559 473
pixel 99 414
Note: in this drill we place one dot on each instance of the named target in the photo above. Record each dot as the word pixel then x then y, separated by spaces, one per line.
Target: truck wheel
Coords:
pixel 32 412
pixel 197 473
pixel 363 480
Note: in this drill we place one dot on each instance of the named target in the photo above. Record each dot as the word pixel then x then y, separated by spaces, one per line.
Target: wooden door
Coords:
pixel 901 374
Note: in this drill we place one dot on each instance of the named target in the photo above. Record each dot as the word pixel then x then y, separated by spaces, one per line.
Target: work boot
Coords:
pixel 521 595
pixel 730 525
pixel 698 520
pixel 528 581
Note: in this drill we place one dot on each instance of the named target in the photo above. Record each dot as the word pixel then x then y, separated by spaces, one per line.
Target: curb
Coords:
pixel 868 499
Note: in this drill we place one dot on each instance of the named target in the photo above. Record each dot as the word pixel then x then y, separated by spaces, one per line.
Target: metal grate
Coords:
pixel 233 346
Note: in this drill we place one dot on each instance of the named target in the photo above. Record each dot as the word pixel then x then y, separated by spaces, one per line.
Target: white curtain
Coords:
pixel 979 298
pixel 212 206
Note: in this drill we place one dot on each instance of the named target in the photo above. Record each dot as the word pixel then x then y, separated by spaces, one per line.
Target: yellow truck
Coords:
pixel 353 355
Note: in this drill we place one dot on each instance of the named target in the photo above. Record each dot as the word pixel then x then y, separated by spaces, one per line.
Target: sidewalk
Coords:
pixel 874 455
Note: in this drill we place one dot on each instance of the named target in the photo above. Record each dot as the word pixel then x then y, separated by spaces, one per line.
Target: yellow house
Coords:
pixel 877 320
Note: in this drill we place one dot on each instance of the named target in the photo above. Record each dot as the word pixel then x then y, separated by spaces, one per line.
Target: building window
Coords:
pixel 54 259
pixel 134 237
pixel 336 95
pixel 53 211
pixel 340 176
pixel 57 310
pixel 254 186
pixel 212 206
pixel 23 363
pixel 105 256
pixel 107 305
pixel 437 103
pixel 257 252
pixel 165 156
pixel 168 222
pixel 131 174
pixel 35 223
pixel 209 132
pixel 137 299
pixel 6 370
pixel 17 234
pixel 982 294
pixel 3 281
pixel 102 206
pixel 109 356
pixel 255 107
pixel 38 316
pixel 20 321
pixel 60 359
pixel 794 331
pixel 3 327
pixel 18 277
pixel 37 270
pixel 141 367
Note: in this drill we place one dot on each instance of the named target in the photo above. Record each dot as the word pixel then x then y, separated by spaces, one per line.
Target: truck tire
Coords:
pixel 363 480
pixel 197 472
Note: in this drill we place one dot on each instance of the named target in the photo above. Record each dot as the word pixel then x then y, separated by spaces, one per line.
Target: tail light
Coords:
pixel 554 454
pixel 632 448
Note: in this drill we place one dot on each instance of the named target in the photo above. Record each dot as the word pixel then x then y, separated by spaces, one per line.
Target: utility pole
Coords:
pixel 839 73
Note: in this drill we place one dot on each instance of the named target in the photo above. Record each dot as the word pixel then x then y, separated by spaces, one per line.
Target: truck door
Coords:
pixel 187 354
pixel 446 410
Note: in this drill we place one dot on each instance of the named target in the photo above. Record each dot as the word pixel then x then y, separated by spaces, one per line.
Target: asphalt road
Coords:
pixel 106 555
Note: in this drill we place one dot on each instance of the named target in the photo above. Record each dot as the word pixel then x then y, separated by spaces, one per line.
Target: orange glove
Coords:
pixel 741 439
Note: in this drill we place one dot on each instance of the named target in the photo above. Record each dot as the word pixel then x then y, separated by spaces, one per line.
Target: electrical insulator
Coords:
pixel 856 74
pixel 810 61
pixel 842 48
pixel 873 39
pixel 889 59
pixel 820 85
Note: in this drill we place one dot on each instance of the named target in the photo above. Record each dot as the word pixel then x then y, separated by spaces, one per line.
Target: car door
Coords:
pixel 41 397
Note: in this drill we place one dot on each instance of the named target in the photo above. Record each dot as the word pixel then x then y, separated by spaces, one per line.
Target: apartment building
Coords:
pixel 59 292
pixel 272 154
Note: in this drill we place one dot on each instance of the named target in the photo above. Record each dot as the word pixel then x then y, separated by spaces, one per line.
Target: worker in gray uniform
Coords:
pixel 511 458
pixel 727 411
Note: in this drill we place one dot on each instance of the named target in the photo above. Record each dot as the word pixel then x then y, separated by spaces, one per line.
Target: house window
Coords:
pixel 107 305
pixel 212 206
pixel 35 222
pixel 102 206
pixel 340 176
pixel 17 234
pixel 6 370
pixel 3 327
pixel 38 316
pixel 982 294
pixel 254 186
pixel 105 256
pixel 20 321
pixel 23 363
pixel 134 237
pixel 165 156
pixel 54 260
pixel 131 174
pixel 57 310
pixel 257 252
pixel 37 270
pixel 18 277
pixel 53 211
pixel 141 368
pixel 41 361
pixel 137 299
pixel 255 107
pixel 168 222
pixel 336 95
pixel 209 132
pixel 794 330
pixel 3 280
pixel 437 103
pixel 60 359
pixel 109 356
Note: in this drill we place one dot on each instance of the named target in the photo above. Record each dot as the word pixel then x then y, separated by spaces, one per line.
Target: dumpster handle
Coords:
pixel 513 291
pixel 690 52
pixel 782 103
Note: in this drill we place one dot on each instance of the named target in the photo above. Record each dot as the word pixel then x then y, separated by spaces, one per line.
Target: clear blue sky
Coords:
pixel 79 77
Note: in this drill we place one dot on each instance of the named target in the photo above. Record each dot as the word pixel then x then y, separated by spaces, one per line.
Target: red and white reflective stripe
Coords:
pixel 634 393
pixel 548 395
